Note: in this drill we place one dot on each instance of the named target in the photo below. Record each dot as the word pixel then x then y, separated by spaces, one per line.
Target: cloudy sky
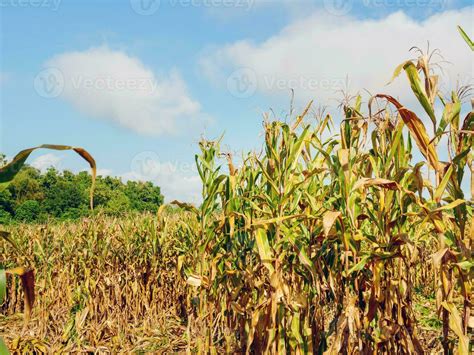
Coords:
pixel 139 82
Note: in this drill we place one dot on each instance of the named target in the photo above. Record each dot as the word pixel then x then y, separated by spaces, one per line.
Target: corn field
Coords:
pixel 335 238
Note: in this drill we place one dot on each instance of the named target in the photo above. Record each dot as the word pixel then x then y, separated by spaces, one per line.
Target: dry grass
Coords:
pixel 101 285
pixel 108 285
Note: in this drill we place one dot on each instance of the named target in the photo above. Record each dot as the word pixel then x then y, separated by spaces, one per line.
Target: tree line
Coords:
pixel 33 196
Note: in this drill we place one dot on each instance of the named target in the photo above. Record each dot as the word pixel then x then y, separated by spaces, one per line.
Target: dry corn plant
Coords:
pixel 321 243
pixel 318 245
pixel 103 285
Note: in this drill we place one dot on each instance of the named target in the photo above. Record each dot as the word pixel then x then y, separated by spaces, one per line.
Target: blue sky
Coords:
pixel 141 81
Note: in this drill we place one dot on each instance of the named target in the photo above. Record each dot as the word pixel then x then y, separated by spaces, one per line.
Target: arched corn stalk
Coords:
pixel 25 273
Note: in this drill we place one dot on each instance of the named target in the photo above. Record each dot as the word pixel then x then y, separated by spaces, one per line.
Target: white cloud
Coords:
pixel 103 172
pixel 112 85
pixel 314 55
pixel 46 161
pixel 177 180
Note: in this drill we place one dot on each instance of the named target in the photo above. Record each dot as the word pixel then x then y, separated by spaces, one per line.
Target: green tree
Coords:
pixel 64 199
pixel 28 211
pixel 33 196
pixel 6 201
pixel 3 159
pixel 118 204
pixel 26 186
pixel 5 217
pixel 144 196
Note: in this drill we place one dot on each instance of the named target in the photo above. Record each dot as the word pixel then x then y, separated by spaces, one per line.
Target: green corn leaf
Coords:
pixel 296 331
pixel 359 266
pixel 3 285
pixel 395 142
pixel 451 110
pixel 417 130
pixel 466 265
pixel 264 250
pixel 3 348
pixel 442 186
pixel 296 149
pixel 450 206
pixel 417 88
pixel 466 38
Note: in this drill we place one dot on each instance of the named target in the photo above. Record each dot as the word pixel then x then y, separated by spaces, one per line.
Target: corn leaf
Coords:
pixel 442 186
pixel 329 219
pixel 450 206
pixel 466 38
pixel 8 172
pixel 365 182
pixel 3 348
pixel 3 285
pixel 455 324
pixel 264 250
pixel 418 90
pixel 27 278
pixel 417 130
